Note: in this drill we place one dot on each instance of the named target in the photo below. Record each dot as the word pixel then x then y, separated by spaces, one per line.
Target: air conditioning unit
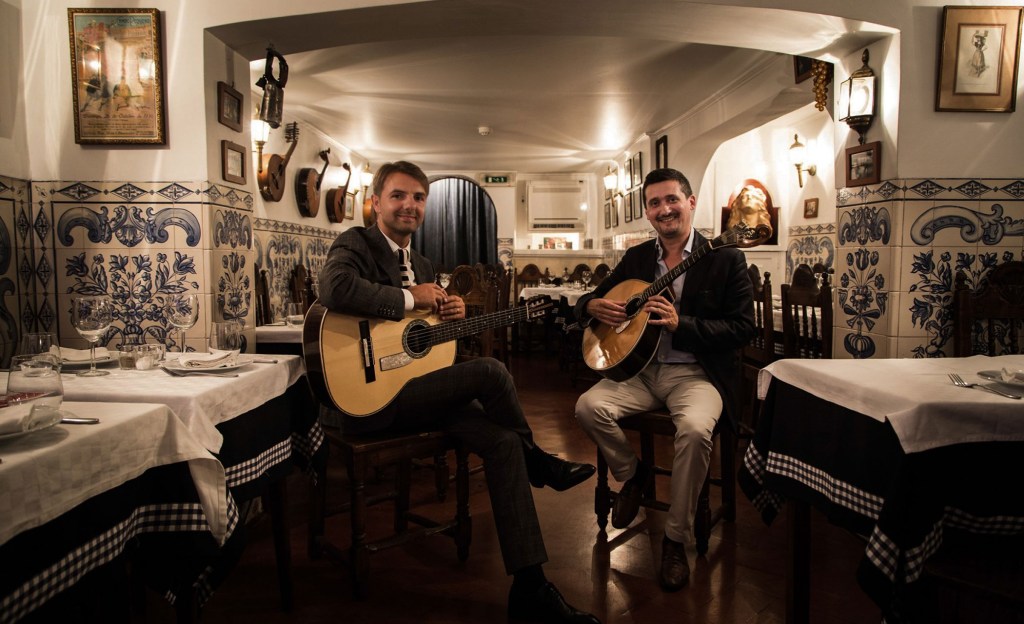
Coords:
pixel 554 206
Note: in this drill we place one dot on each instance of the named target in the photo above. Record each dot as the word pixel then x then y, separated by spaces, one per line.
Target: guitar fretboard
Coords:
pixel 665 280
pixel 445 332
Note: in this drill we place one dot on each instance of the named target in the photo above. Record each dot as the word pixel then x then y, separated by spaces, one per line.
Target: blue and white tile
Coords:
pixel 848 344
pixel 229 229
pixel 232 292
pixel 865 226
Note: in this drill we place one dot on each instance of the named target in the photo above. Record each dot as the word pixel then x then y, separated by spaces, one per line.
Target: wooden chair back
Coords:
pixel 990 320
pixel 264 311
pixel 481 297
pixel 577 272
pixel 761 350
pixel 807 316
pixel 301 287
pixel 529 276
pixel 601 271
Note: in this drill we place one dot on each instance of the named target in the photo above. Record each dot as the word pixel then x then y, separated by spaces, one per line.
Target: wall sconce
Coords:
pixel 797 156
pixel 611 180
pixel 857 99
pixel 366 178
pixel 260 135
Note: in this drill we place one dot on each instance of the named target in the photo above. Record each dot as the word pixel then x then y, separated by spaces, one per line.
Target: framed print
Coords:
pixel 638 170
pixel 628 175
pixel 661 153
pixel 232 162
pixel 978 57
pixel 615 210
pixel 638 205
pixel 229 106
pixel 803 68
pixel 811 208
pixel 863 164
pixel 350 206
pixel 607 215
pixel 627 207
pixel 117 78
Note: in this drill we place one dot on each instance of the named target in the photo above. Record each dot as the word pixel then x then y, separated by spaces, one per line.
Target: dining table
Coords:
pixel 74 497
pixel 893 451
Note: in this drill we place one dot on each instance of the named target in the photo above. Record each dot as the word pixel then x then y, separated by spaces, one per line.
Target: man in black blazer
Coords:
pixel 706 317
pixel 475 400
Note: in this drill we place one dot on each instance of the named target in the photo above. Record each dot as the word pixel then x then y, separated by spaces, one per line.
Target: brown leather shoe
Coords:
pixel 627 502
pixel 675 569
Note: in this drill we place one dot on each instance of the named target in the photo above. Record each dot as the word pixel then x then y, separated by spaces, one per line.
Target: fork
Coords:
pixel 959 381
pixel 178 373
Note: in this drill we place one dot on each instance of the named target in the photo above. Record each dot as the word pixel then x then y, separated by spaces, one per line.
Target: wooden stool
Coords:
pixel 648 425
pixel 361 453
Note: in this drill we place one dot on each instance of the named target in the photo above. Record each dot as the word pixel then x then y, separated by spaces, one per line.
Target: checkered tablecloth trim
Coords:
pixel 754 462
pixel 835 490
pixel 103 549
pixel 254 467
pixel 307 444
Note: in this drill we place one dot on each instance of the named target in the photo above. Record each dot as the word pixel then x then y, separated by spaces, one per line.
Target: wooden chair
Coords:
pixel 650 424
pixel 364 454
pixel 990 321
pixel 601 271
pixel 481 297
pixel 530 333
pixel 301 287
pixel 577 273
pixel 807 316
pixel 760 352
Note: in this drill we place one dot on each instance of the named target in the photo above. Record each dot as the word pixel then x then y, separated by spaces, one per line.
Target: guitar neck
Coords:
pixel 445 332
pixel 665 280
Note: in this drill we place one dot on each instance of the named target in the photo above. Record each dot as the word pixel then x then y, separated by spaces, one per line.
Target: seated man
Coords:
pixel 372 272
pixel 706 316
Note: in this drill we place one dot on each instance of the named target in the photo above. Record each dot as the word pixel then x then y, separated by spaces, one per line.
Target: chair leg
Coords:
pixel 602 495
pixel 728 442
pixel 463 521
pixel 360 558
pixel 647 456
pixel 317 512
pixel 403 479
pixel 276 500
pixel 441 476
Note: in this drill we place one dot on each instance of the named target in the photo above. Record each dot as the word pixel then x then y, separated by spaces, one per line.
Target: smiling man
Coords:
pixel 705 316
pixel 372 272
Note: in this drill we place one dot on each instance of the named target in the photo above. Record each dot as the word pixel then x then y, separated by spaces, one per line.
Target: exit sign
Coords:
pixel 495 179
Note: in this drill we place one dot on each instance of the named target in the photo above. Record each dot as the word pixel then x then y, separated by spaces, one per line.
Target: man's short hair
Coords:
pixel 401 166
pixel 663 175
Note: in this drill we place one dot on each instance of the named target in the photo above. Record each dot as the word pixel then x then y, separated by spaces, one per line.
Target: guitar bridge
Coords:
pixel 367 348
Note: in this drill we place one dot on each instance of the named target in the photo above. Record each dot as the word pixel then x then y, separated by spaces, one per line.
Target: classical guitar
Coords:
pixel 307 187
pixel 622 351
pixel 271 178
pixel 359 365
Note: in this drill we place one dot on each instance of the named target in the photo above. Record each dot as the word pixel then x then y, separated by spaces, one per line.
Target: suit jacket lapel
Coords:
pixel 386 260
pixel 697 274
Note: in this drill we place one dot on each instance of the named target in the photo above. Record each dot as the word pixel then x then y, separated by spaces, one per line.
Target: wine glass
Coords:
pixel 586 274
pixel 182 312
pixel 92 315
pixel 226 336
pixel 36 379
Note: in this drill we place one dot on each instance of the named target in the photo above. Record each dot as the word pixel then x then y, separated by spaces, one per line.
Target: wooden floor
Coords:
pixel 741 579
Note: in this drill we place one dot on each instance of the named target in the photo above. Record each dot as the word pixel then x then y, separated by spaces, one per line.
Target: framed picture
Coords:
pixel 661 152
pixel 803 68
pixel 638 170
pixel 615 210
pixel 350 206
pixel 978 58
pixel 608 215
pixel 628 175
pixel 638 205
pixel 229 106
pixel 232 162
pixel 117 78
pixel 627 207
pixel 811 208
pixel 863 164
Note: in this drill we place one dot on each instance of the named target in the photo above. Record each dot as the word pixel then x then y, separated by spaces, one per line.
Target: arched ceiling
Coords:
pixel 564 85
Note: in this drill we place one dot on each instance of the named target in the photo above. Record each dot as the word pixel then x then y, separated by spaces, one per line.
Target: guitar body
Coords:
pixel 332 345
pixel 271 179
pixel 621 352
pixel 307 192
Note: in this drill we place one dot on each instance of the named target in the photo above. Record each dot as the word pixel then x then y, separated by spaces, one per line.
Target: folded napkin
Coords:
pixel 79 355
pixel 214 359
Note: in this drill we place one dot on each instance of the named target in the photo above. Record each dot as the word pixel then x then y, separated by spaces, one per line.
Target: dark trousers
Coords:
pixel 476 402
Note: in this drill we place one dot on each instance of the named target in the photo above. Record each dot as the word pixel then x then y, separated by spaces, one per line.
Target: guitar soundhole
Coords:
pixel 417 339
pixel 633 306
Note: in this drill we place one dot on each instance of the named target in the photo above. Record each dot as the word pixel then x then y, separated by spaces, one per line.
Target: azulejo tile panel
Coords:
pixel 13 202
pixel 281 246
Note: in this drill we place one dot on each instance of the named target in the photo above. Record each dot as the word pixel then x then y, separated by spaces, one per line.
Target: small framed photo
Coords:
pixel 638 169
pixel 661 152
pixel 638 205
pixel 232 162
pixel 350 206
pixel 615 210
pixel 627 210
pixel 803 67
pixel 608 215
pixel 811 208
pixel 978 59
pixel 863 164
pixel 229 106
pixel 628 175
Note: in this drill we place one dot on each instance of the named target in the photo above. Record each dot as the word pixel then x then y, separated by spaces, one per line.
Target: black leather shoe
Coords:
pixel 545 604
pixel 627 502
pixel 675 569
pixel 557 474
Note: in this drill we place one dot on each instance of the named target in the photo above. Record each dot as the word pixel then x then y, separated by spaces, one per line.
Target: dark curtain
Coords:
pixel 460 227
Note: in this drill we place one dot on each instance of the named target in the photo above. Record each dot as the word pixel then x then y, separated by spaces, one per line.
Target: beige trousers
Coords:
pixel 695 406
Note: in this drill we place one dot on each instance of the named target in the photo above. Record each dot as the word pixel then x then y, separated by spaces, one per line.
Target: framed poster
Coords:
pixel 117 78
pixel 628 176
pixel 638 205
pixel 864 164
pixel 627 207
pixel 661 152
pixel 607 215
pixel 978 59
pixel 615 210
pixel 229 106
pixel 638 170
pixel 232 162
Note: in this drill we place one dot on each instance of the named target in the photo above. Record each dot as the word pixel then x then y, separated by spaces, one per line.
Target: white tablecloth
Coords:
pixel 47 473
pixel 915 395
pixel 201 402
pixel 291 334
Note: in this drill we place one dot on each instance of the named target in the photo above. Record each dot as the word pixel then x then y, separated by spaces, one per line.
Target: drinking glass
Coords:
pixel 36 379
pixel 443 279
pixel 586 275
pixel 92 315
pixel 36 342
pixel 226 336
pixel 293 314
pixel 182 312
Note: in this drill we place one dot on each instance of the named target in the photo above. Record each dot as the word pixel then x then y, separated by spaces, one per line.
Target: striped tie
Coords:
pixel 404 269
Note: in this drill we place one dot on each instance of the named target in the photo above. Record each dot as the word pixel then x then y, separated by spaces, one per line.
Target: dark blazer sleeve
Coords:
pixel 360 276
pixel 637 263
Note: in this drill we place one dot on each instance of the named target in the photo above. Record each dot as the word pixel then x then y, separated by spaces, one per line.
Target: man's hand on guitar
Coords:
pixel 453 308
pixel 662 313
pixel 607 311
pixel 428 296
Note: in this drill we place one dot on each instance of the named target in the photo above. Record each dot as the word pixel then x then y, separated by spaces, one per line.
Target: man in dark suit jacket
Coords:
pixel 706 317
pixel 475 400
